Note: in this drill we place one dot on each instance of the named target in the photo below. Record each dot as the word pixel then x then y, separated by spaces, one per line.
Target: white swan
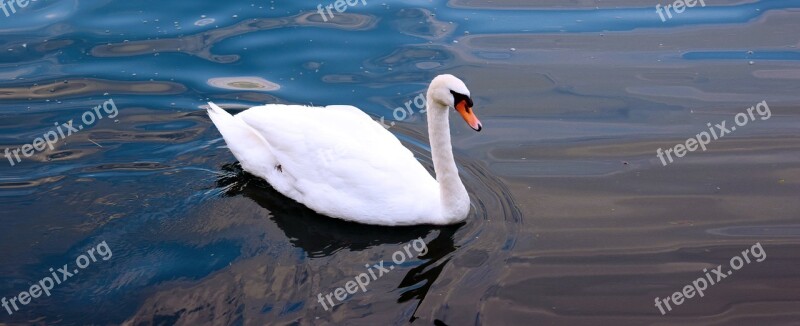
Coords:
pixel 339 162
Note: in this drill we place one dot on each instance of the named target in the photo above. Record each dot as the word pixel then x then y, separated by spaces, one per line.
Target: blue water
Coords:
pixel 574 221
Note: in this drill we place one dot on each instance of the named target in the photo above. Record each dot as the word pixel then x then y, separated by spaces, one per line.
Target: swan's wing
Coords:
pixel 345 164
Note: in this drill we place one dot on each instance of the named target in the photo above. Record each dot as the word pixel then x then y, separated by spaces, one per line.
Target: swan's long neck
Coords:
pixel 454 197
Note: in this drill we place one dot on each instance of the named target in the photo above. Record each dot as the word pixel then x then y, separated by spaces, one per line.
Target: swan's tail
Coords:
pixel 246 144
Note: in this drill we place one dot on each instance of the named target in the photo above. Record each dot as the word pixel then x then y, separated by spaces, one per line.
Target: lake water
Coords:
pixel 579 217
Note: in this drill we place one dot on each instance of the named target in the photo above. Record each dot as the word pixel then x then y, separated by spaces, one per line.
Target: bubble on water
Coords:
pixel 244 83
pixel 312 65
pixel 204 21
pixel 752 62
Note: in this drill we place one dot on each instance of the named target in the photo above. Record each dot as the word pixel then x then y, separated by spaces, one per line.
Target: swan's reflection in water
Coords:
pixel 320 236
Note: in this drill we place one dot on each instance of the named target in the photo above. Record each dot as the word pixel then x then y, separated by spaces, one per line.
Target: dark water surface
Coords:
pixel 575 219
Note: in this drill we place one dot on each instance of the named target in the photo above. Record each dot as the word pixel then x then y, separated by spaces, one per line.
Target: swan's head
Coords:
pixel 450 92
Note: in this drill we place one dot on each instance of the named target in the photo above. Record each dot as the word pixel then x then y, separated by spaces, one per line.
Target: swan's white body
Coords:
pixel 339 162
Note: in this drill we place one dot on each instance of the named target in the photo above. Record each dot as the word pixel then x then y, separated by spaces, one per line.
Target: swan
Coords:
pixel 340 163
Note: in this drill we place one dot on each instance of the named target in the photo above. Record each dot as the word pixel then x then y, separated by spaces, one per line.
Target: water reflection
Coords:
pixel 244 83
pixel 72 88
pixel 200 44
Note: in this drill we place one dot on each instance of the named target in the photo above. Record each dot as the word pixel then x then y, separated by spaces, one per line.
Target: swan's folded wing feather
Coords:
pixel 342 159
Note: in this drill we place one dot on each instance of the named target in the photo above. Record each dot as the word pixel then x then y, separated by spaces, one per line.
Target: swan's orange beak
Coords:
pixel 465 110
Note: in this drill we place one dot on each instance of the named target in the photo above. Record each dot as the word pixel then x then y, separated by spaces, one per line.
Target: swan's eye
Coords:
pixel 458 97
